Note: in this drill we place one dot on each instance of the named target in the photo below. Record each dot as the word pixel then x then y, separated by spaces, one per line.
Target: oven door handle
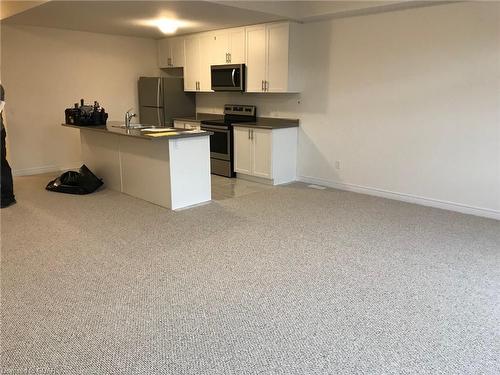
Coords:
pixel 232 77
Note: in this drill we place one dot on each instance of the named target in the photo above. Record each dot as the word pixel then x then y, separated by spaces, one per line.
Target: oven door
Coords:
pixel 220 141
pixel 228 77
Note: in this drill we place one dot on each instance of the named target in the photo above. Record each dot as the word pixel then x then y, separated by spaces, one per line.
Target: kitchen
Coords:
pixel 289 187
pixel 242 145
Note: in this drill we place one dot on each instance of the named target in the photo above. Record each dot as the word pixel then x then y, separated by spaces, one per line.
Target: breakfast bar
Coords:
pixel 166 166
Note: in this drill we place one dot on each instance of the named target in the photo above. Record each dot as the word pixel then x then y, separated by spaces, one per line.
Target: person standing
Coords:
pixel 6 184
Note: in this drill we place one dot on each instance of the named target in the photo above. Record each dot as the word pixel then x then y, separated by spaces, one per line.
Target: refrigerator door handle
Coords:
pixel 158 101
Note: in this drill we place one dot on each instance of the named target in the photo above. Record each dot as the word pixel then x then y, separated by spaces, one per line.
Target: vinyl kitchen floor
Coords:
pixel 226 188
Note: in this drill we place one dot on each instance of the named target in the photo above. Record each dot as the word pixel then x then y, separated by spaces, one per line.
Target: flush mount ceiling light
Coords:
pixel 166 25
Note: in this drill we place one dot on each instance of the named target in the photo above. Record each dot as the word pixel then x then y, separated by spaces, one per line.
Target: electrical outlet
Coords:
pixel 337 164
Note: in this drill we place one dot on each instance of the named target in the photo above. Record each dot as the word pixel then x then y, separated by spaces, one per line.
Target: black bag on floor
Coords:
pixel 71 182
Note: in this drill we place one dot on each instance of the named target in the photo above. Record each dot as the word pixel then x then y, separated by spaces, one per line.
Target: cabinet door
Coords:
pixel 242 150
pixel 256 57
pixel 237 45
pixel 177 52
pixel 220 47
pixel 206 57
pixel 163 53
pixel 262 153
pixel 277 57
pixel 191 67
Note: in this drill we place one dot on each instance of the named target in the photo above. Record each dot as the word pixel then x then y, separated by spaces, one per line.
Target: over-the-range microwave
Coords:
pixel 228 77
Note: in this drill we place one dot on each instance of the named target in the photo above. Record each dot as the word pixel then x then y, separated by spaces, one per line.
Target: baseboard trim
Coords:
pixel 409 198
pixel 254 179
pixel 45 169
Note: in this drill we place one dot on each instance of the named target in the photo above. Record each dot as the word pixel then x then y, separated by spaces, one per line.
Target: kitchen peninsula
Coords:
pixel 171 169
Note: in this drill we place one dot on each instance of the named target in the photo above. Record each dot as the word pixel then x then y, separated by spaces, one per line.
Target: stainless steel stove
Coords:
pixel 221 142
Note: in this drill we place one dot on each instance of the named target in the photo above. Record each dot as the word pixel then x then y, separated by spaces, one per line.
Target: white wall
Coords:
pixel 46 70
pixel 407 101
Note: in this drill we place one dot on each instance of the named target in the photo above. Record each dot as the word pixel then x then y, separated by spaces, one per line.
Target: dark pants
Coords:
pixel 7 187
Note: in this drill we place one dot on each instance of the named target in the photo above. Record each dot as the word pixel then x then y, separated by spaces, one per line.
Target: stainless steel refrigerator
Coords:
pixel 163 98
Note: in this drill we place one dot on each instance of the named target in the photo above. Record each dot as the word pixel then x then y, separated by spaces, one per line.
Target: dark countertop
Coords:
pixel 262 122
pixel 200 117
pixel 270 123
pixel 110 129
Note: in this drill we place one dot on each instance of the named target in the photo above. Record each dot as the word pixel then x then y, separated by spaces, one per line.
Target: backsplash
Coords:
pixel 268 105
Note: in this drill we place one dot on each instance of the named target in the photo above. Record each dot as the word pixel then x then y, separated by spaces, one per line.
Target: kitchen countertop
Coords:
pixel 270 123
pixel 262 122
pixel 110 129
pixel 200 117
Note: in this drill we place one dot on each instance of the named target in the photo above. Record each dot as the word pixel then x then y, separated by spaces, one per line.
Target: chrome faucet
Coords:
pixel 128 117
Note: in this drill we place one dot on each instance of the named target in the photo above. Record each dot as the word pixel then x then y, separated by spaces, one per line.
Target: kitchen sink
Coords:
pixel 141 126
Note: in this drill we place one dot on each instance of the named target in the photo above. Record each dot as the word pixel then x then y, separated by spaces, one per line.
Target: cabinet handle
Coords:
pixel 229 57
pixel 248 133
pixel 262 85
pixel 252 133
pixel 226 57
pixel 169 61
pixel 267 86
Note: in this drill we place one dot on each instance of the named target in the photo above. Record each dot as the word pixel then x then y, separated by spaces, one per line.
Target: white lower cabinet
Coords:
pixel 243 150
pixel 262 165
pixel 268 154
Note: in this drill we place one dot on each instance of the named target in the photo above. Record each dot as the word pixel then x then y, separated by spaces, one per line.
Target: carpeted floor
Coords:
pixel 287 280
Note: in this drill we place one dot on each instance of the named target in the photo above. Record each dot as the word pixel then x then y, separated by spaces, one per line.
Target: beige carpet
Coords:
pixel 287 280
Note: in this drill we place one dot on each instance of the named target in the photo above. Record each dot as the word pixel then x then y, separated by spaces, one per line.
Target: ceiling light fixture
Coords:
pixel 167 26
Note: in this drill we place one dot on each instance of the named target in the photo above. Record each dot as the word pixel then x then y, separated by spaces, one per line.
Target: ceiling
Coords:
pixel 129 17
pixel 123 17
pixel 309 10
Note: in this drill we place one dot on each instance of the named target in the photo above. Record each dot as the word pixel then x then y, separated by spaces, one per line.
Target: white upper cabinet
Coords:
pixel 256 58
pixel 273 57
pixel 163 53
pixel 237 46
pixel 270 51
pixel 277 57
pixel 228 46
pixel 171 52
pixel 220 49
pixel 206 53
pixel 192 66
pixel 177 54
pixel 198 61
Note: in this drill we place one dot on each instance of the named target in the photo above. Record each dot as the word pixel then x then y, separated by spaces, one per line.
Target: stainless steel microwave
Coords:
pixel 228 77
